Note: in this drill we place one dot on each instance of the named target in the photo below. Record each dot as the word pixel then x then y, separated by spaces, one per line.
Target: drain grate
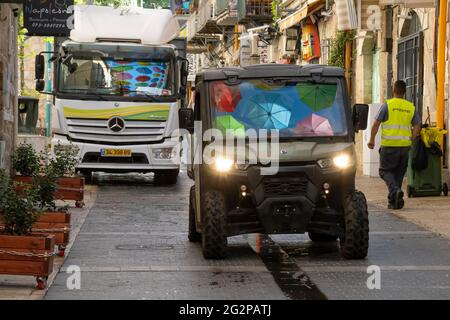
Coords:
pixel 132 247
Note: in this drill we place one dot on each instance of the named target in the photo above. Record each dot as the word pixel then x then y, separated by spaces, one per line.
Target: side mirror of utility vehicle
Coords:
pixel 360 115
pixel 39 67
pixel 40 85
pixel 186 119
pixel 184 72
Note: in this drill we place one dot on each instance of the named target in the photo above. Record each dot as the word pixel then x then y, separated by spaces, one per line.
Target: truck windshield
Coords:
pixel 127 77
pixel 295 108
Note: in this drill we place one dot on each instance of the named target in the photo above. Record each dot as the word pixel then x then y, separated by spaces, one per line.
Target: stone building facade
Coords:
pixel 8 82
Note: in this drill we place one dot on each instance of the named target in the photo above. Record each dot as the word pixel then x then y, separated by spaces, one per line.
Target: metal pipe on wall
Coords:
pixel 440 108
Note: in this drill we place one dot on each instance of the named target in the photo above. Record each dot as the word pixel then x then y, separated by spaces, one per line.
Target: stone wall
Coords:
pixel 8 81
pixel 31 47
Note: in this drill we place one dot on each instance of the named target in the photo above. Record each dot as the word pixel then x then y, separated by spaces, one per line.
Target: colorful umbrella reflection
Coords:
pixel 317 96
pixel 269 111
pixel 314 125
pixel 229 123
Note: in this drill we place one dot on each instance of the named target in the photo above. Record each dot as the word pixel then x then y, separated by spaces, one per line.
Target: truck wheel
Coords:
pixel 87 177
pixel 321 237
pixel 166 177
pixel 355 242
pixel 193 235
pixel 214 238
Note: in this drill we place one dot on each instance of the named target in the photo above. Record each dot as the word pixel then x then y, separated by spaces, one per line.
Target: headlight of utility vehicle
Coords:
pixel 223 164
pixel 341 161
pixel 164 153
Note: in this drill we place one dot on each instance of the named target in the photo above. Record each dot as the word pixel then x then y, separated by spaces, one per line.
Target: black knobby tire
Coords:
pixel 166 177
pixel 320 237
pixel 214 237
pixel 355 242
pixel 193 235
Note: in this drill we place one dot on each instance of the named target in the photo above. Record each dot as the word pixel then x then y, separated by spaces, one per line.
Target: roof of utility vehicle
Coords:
pixel 270 70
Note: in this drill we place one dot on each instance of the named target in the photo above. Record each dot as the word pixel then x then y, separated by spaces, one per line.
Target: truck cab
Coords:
pixel 118 84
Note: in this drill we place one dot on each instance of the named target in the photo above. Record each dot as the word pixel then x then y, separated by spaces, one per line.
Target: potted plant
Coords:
pixel 23 252
pixel 43 175
pixel 54 220
pixel 27 163
pixel 70 186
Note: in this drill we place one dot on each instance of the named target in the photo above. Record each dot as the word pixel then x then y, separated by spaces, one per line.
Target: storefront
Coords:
pixel 301 33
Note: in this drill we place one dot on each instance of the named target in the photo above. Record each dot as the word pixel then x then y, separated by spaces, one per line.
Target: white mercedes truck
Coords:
pixel 119 80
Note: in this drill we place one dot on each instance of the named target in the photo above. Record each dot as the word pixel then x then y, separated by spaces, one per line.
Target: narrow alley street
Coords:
pixel 133 245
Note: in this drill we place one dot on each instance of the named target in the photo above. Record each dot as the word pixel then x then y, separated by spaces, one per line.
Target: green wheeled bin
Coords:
pixel 426 182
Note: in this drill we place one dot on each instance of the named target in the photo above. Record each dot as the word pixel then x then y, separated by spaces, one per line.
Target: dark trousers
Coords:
pixel 393 166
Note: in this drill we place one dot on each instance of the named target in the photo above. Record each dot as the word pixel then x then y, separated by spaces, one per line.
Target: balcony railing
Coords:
pixel 226 12
pixel 206 22
pixel 191 27
pixel 256 10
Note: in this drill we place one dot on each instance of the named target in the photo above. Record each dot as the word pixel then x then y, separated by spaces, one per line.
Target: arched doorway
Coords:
pixel 410 59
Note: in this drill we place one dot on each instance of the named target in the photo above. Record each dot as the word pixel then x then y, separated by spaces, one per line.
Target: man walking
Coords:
pixel 287 59
pixel 400 124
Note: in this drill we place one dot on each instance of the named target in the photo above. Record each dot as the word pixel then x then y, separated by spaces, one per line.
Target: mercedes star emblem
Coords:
pixel 116 124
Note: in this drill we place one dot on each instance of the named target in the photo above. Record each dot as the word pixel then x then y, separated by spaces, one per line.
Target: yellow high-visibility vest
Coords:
pixel 397 130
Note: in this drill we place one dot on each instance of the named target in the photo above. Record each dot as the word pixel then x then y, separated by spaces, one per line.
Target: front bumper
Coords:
pixel 293 200
pixel 142 159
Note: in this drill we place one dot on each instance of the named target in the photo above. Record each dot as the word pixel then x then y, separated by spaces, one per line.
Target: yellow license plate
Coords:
pixel 116 152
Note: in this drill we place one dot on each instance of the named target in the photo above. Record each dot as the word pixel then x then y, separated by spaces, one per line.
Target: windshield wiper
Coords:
pixel 98 95
pixel 82 91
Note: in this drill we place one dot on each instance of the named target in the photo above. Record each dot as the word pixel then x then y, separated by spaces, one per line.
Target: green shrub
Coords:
pixel 26 161
pixel 19 208
pixel 65 160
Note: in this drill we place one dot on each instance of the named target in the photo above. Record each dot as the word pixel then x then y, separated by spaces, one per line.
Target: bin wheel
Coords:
pixel 445 189
pixel 41 283
pixel 79 204
pixel 410 191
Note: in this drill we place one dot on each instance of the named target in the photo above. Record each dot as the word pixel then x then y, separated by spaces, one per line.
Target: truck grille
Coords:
pixel 96 130
pixel 285 186
pixel 95 157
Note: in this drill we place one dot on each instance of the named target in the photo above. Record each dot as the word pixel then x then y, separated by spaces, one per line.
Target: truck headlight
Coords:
pixel 223 164
pixel 342 161
pixel 164 153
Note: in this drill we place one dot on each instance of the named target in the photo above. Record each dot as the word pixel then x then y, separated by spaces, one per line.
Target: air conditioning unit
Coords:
pixel 2 154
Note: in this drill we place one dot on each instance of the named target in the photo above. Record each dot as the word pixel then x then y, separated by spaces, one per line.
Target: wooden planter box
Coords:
pixel 28 256
pixel 54 223
pixel 69 188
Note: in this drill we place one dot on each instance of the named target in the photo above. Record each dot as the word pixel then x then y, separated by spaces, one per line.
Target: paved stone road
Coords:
pixel 133 245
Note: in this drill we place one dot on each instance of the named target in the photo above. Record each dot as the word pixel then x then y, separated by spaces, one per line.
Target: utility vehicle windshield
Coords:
pixel 120 76
pixel 298 108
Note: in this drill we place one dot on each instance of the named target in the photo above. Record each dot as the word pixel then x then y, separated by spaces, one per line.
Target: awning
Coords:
pixel 300 14
pixel 411 3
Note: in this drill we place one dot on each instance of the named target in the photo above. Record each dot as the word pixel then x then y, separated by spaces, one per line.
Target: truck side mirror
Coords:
pixel 39 67
pixel 40 85
pixel 186 119
pixel 184 72
pixel 360 115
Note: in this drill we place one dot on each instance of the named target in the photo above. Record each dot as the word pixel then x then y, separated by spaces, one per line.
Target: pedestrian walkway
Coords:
pixel 432 213
pixel 23 287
